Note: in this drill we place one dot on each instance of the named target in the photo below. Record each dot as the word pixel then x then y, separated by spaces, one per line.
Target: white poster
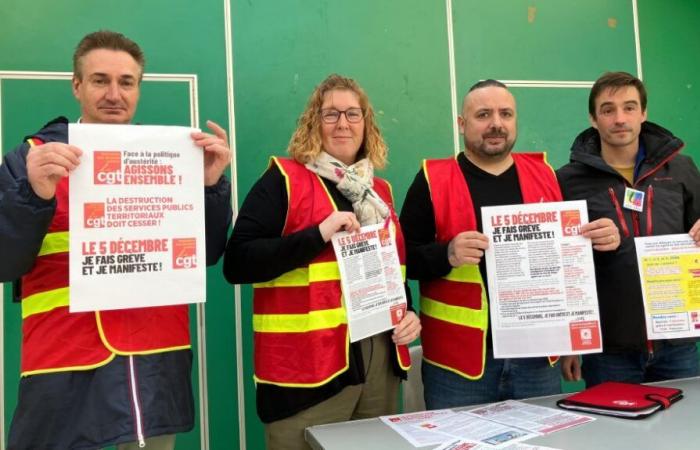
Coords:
pixel 669 268
pixel 371 279
pixel 136 218
pixel 541 280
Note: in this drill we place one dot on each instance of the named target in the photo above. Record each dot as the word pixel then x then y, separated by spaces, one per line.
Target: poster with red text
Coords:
pixel 136 218
pixel 541 280
pixel 371 278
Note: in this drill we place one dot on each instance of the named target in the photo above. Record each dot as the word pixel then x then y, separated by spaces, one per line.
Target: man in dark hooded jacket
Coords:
pixel 77 389
pixel 623 156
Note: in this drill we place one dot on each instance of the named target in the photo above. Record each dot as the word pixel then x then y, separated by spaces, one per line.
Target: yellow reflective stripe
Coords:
pixel 474 318
pixel 44 301
pixel 54 243
pixel 468 273
pixel 296 277
pixel 325 271
pixel 299 323
pixel 403 272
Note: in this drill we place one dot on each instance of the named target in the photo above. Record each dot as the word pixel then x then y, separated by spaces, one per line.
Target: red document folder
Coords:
pixel 631 401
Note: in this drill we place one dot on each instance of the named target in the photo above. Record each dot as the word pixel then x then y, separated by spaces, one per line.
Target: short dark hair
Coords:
pixel 110 40
pixel 487 83
pixel 482 84
pixel 615 81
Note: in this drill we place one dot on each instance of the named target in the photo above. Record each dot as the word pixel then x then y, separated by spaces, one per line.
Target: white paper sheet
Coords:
pixel 136 218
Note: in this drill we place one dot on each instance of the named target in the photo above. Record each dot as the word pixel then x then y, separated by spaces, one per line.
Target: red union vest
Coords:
pixel 55 340
pixel 454 308
pixel 299 320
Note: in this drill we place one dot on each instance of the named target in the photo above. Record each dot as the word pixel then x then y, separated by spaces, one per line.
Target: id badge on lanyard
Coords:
pixel 634 200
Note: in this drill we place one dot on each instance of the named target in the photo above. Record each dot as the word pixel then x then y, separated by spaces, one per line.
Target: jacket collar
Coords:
pixel 659 144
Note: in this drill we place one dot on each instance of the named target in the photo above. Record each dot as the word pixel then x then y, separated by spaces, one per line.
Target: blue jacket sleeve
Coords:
pixel 24 217
pixel 217 218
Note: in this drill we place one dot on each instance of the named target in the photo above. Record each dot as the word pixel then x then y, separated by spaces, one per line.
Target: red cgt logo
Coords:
pixel 107 167
pixel 94 215
pixel 570 223
pixel 184 253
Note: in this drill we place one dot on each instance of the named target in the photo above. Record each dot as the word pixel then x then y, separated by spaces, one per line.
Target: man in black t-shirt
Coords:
pixel 441 218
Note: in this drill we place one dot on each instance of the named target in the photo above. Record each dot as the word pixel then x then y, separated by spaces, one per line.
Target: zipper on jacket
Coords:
pixel 658 166
pixel 618 211
pixel 136 403
pixel 635 222
pixel 650 204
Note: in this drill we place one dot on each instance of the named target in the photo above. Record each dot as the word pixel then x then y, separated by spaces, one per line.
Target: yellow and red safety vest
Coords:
pixel 55 340
pixel 454 308
pixel 299 318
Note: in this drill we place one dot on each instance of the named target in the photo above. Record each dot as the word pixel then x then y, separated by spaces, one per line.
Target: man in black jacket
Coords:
pixel 622 156
pixel 138 399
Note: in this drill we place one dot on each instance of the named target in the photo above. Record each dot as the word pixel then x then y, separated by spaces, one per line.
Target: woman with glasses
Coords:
pixel 306 370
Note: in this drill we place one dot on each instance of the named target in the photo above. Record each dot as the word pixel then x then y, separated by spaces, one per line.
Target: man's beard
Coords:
pixel 482 149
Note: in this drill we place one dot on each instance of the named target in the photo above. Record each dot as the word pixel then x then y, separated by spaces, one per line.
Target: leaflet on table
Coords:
pixel 371 279
pixel 541 280
pixel 136 218
pixel 537 419
pixel 462 425
pixel 669 268
pixel 465 444
pixel 407 425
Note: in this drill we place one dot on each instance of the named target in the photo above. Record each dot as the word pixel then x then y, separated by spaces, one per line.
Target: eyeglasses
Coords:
pixel 332 115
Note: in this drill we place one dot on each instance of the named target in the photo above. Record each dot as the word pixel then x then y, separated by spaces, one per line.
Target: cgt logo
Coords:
pixel 94 215
pixel 570 223
pixel 184 253
pixel 107 167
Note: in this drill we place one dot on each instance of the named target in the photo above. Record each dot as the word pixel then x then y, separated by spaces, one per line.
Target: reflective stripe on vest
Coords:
pixel 468 273
pixel 324 271
pixel 44 302
pixel 327 271
pixel 474 318
pixel 54 243
pixel 299 323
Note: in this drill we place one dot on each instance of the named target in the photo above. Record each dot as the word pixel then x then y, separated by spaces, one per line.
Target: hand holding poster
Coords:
pixel 371 279
pixel 542 291
pixel 136 218
pixel 669 268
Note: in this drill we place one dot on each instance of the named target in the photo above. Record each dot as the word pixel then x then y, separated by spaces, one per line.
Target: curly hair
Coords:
pixel 306 144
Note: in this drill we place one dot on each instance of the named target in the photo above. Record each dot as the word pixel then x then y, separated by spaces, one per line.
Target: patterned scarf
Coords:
pixel 355 183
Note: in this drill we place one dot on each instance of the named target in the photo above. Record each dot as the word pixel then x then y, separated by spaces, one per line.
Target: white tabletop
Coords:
pixel 677 428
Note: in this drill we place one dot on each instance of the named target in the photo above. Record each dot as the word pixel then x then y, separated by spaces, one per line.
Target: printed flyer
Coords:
pixel 371 279
pixel 669 268
pixel 541 280
pixel 136 218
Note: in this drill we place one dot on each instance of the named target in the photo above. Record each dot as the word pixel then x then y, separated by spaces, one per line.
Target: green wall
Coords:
pixel 399 52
